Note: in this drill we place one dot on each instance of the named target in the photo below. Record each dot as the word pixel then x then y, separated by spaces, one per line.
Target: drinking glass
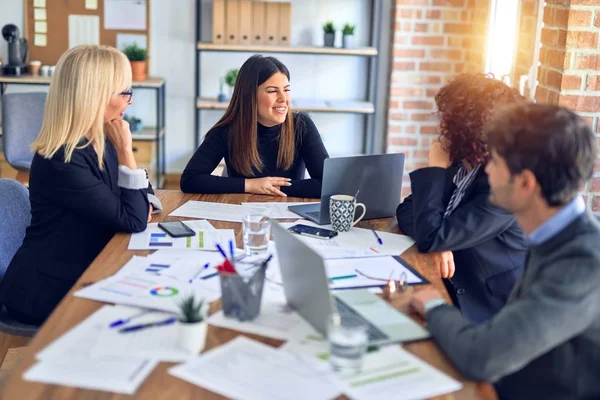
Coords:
pixel 347 345
pixel 256 233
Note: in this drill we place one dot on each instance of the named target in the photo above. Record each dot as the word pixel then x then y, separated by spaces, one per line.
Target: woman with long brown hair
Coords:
pixel 266 146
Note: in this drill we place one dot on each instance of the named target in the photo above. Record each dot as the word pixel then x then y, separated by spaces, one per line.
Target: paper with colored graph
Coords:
pixel 148 291
pixel 206 238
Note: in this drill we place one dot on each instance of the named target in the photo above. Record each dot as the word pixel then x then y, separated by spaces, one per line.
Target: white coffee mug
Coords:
pixel 342 209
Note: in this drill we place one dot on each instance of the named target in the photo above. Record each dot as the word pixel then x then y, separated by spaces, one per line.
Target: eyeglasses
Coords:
pixel 393 285
pixel 128 94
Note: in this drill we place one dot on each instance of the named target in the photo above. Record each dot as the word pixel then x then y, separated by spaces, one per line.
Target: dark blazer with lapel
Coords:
pixel 488 246
pixel 76 208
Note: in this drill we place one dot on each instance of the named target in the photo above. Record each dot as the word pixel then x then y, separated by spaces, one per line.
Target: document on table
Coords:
pixel 153 238
pixel 349 273
pixel 394 373
pixel 277 210
pixel 245 369
pixel 148 291
pixel 216 211
pixel 93 339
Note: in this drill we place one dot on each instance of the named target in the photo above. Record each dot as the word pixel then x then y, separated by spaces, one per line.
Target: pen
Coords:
pixel 377 236
pixel 221 251
pixel 209 276
pixel 337 278
pixel 199 272
pixel 231 249
pixel 124 321
pixel 148 325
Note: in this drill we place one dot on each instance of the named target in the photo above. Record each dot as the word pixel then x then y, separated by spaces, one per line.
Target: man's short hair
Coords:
pixel 554 143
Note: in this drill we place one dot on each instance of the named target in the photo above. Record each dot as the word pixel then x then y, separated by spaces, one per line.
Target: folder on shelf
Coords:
pixel 245 22
pixel 285 22
pixel 272 24
pixel 258 22
pixel 218 22
pixel 232 21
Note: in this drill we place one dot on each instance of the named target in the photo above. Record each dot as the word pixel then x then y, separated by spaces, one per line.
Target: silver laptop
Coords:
pixel 377 177
pixel 306 289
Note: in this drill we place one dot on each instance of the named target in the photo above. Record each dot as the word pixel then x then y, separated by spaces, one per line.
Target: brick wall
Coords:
pixel 527 31
pixel 433 41
pixel 569 73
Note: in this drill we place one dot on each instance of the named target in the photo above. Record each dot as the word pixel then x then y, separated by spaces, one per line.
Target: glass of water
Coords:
pixel 256 232
pixel 347 345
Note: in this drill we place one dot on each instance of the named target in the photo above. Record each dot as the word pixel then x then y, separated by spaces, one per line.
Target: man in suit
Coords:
pixel 449 214
pixel 545 343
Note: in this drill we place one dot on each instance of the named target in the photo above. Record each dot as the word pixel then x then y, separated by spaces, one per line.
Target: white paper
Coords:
pixel 148 291
pixel 276 320
pixel 277 210
pixel 117 375
pixel 91 4
pixel 39 3
pixel 126 39
pixel 83 29
pixel 125 14
pixel 393 373
pixel 246 369
pixel 40 40
pixel 40 27
pixel 206 238
pixel 216 211
pixel 39 14
pixel 375 267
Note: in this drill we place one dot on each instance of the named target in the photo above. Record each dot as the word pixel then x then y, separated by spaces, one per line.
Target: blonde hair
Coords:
pixel 85 79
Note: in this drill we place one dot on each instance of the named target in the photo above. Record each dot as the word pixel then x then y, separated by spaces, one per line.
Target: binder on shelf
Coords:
pixel 285 23
pixel 258 22
pixel 232 21
pixel 272 24
pixel 245 22
pixel 218 22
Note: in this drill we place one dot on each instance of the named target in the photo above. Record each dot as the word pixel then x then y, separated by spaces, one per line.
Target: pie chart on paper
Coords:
pixel 164 291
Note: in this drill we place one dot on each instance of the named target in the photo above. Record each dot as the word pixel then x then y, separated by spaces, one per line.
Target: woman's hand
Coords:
pixel 269 185
pixel 150 209
pixel 438 157
pixel 443 261
pixel 118 133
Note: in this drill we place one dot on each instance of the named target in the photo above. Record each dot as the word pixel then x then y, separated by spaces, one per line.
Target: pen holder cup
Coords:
pixel 241 296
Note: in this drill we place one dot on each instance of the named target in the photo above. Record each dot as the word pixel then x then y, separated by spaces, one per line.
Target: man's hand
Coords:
pixel 438 157
pixel 443 261
pixel 419 298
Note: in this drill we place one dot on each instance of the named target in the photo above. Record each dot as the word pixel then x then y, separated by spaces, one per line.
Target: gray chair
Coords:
pixel 22 115
pixel 15 216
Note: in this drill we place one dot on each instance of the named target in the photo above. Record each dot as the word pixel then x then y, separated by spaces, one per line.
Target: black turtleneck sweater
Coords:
pixel 310 152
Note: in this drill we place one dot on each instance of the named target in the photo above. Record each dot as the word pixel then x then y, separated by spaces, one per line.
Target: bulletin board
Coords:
pixel 57 25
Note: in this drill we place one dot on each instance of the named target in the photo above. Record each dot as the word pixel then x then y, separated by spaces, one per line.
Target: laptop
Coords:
pixel 306 289
pixel 377 177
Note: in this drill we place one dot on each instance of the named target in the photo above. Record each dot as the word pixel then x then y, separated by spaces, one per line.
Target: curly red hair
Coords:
pixel 465 105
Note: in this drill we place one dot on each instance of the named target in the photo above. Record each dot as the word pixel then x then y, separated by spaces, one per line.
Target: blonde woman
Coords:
pixel 84 182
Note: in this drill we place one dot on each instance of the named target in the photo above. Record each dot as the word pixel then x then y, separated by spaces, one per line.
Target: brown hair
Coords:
pixel 242 120
pixel 465 105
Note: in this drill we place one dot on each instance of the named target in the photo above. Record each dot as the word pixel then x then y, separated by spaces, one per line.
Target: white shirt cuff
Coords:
pixel 134 179
pixel 156 204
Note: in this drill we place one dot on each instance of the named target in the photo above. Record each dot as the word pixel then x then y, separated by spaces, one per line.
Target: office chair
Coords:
pixel 15 216
pixel 22 115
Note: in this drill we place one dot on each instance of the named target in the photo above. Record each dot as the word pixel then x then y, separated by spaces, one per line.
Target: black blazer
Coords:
pixel 488 245
pixel 76 208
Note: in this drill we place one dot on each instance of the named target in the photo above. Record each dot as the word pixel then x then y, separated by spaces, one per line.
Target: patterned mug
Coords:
pixel 342 209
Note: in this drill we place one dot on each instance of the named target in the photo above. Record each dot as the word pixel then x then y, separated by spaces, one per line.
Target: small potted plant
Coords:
pixel 230 78
pixel 138 57
pixel 348 36
pixel 329 34
pixel 192 326
pixel 222 97
pixel 135 124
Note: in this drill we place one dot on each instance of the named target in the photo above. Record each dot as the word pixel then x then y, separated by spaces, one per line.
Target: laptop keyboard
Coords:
pixel 314 214
pixel 351 317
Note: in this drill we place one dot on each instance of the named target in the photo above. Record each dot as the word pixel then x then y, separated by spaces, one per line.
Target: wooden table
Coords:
pixel 161 385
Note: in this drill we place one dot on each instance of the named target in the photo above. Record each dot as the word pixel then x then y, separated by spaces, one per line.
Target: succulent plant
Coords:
pixel 348 29
pixel 328 27
pixel 135 53
pixel 192 311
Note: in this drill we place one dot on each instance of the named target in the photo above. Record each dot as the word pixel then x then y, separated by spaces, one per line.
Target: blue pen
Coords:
pixel 231 249
pixel 124 321
pixel 199 272
pixel 221 251
pixel 148 325
pixel 209 276
pixel 377 236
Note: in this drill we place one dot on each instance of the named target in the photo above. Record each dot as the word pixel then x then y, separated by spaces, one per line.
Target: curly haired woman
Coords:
pixel 476 246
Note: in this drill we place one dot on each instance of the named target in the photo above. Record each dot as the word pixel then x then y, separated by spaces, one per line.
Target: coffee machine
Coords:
pixel 17 51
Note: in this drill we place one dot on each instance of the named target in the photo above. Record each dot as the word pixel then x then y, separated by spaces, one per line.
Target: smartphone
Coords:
pixel 176 229
pixel 312 231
